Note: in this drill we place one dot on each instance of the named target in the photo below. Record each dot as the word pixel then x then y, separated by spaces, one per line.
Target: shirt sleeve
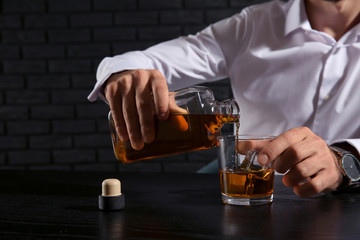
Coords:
pixel 354 142
pixel 184 61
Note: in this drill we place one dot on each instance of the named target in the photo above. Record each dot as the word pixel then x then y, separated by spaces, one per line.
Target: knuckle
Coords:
pixel 316 186
pixel 302 170
pixel 158 79
pixel 273 151
pixel 139 76
pixel 251 145
pixel 110 89
pixel 130 116
pixel 138 73
pixel 287 136
pixel 321 143
pixel 142 104
pixel 146 124
pixel 295 130
pixel 119 80
pixel 156 73
pixel 272 155
pixel 126 84
pixel 293 153
pixel 304 129
pixel 248 145
pixel 119 84
pixel 134 135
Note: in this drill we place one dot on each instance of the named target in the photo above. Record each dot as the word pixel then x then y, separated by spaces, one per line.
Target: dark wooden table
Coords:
pixel 63 205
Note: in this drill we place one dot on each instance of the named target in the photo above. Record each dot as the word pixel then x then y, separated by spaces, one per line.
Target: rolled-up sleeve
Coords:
pixel 184 61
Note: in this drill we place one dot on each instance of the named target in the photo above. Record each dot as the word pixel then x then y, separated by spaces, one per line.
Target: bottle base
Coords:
pixel 246 201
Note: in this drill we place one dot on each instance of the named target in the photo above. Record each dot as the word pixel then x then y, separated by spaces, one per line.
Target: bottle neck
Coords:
pixel 227 107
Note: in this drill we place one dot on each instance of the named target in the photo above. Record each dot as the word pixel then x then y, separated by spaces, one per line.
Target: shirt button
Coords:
pixel 326 97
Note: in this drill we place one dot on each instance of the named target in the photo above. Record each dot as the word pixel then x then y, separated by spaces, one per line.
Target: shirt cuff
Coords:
pixel 111 65
pixel 354 142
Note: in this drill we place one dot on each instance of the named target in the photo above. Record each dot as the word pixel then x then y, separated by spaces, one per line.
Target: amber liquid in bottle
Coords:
pixel 247 184
pixel 180 133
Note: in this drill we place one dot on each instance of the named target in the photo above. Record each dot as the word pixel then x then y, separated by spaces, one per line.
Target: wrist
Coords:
pixel 349 166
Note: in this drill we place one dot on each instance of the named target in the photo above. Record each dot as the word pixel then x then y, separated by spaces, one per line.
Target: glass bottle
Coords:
pixel 193 124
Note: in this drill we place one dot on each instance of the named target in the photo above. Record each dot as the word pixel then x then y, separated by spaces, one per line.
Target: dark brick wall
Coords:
pixel 49 53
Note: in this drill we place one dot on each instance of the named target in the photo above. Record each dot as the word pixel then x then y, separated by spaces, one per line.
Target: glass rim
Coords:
pixel 247 137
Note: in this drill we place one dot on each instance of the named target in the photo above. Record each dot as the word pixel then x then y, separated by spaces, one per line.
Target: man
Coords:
pixel 294 70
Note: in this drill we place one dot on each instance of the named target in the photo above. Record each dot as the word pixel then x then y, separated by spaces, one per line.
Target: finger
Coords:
pixel 131 117
pixel 161 95
pixel 174 108
pixel 294 154
pixel 317 156
pixel 324 181
pixel 119 122
pixel 115 103
pixel 245 145
pixel 144 104
pixel 277 146
pixel 301 172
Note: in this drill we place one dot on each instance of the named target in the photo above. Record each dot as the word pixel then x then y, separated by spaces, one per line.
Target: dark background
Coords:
pixel 49 53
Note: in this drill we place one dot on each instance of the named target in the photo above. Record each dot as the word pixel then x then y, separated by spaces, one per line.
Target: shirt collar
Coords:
pixel 296 17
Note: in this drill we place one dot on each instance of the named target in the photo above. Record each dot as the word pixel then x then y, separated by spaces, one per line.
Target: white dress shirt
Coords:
pixel 283 73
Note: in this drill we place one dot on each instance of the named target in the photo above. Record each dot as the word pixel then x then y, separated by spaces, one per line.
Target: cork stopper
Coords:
pixel 111 198
pixel 111 187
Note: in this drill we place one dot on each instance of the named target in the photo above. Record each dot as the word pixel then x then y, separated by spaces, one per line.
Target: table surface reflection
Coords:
pixel 63 205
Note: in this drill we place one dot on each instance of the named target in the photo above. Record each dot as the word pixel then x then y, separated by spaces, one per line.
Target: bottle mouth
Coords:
pixel 230 107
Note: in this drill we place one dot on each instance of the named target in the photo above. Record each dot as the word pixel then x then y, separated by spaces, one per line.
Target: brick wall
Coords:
pixel 49 53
